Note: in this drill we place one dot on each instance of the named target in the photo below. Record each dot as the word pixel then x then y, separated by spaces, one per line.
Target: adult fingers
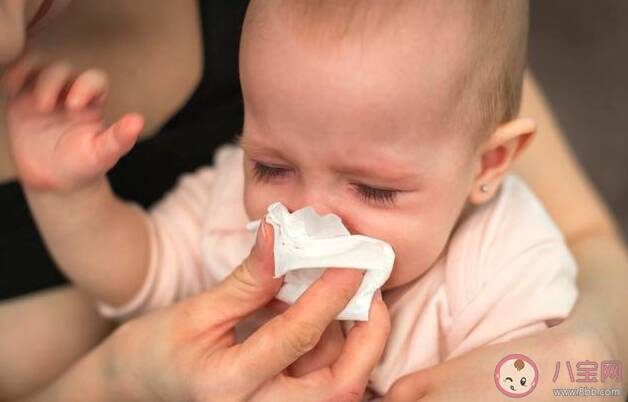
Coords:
pixel 249 287
pixel 364 346
pixel 323 355
pixel 296 331
pixel 410 388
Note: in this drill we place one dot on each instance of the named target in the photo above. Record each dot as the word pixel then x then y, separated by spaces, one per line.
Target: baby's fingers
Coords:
pixel 90 86
pixel 19 74
pixel 51 84
pixel 56 83
pixel 117 140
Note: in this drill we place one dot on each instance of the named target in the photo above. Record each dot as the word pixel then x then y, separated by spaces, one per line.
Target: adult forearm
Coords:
pixel 98 240
pixel 553 172
pixel 603 263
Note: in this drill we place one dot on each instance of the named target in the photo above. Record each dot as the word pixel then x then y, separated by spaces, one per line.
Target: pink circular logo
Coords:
pixel 516 376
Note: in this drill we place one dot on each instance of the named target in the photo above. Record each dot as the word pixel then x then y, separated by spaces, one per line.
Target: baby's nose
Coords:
pixel 317 199
pixel 323 206
pixel 320 209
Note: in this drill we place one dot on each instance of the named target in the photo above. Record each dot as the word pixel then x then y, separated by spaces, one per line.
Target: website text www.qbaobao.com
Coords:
pixel 586 391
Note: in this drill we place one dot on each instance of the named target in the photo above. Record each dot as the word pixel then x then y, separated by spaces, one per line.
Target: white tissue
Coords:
pixel 307 243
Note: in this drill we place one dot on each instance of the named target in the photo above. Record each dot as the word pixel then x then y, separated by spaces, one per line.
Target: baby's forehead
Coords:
pixel 466 56
pixel 332 22
pixel 398 47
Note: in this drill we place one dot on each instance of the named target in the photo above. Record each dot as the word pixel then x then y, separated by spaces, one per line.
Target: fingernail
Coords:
pixel 378 295
pixel 262 227
pixel 261 234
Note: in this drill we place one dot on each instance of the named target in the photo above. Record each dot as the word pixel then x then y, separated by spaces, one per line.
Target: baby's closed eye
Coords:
pixel 266 173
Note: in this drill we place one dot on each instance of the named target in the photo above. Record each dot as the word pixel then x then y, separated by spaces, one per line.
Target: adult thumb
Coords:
pixel 251 285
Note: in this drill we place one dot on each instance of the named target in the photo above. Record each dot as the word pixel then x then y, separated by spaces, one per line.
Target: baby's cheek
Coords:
pixel 259 195
pixel 415 254
pixel 256 199
pixel 405 270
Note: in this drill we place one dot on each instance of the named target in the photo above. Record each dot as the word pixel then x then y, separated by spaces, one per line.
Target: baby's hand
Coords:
pixel 56 132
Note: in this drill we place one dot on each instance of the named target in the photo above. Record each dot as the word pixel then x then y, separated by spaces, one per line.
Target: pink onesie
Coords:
pixel 506 271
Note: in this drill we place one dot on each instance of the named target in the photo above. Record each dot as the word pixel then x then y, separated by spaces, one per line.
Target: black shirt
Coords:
pixel 211 117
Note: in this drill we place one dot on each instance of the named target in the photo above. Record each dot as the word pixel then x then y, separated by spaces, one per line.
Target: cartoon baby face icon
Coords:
pixel 516 376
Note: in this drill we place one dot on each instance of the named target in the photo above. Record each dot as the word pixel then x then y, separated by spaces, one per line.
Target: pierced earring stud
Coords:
pixel 484 188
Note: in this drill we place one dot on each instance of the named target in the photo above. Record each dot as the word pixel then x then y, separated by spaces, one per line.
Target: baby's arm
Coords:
pixel 62 151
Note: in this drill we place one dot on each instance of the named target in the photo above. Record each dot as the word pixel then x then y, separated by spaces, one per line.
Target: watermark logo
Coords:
pixel 586 372
pixel 591 371
pixel 516 376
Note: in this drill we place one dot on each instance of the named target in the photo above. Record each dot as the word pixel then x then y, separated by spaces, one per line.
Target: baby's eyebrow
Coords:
pixel 386 171
pixel 239 140
pixel 254 148
pixel 248 145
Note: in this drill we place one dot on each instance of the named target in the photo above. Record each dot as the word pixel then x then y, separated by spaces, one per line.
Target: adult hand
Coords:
pixel 188 352
pixel 326 351
pixel 470 377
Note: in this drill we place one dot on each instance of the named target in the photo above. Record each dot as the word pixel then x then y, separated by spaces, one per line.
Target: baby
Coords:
pixel 399 116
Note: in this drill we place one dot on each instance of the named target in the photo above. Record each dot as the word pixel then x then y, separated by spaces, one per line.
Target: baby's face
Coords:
pixel 360 131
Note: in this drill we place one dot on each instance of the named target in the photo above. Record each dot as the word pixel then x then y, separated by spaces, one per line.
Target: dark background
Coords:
pixel 579 54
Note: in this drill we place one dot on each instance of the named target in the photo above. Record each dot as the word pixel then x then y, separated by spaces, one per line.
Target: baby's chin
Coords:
pixel 401 277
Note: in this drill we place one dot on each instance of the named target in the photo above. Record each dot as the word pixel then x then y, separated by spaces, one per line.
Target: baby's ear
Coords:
pixel 497 155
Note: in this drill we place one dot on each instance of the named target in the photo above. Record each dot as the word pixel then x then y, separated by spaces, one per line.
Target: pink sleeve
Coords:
pixel 175 268
pixel 526 294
